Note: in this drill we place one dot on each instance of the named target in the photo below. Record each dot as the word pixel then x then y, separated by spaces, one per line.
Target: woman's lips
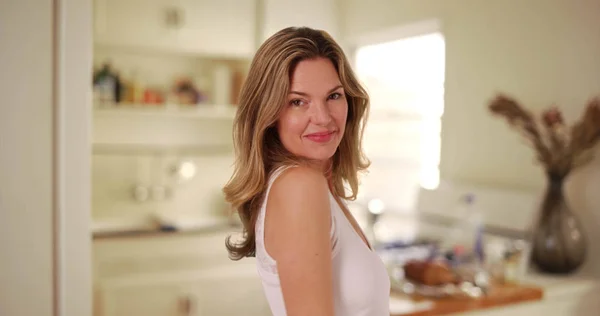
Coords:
pixel 321 137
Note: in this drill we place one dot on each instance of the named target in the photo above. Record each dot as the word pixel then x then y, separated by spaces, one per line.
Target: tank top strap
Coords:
pixel 264 260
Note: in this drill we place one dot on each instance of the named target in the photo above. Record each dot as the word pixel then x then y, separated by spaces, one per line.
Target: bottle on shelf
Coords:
pixel 465 241
pixel 137 88
pixel 107 86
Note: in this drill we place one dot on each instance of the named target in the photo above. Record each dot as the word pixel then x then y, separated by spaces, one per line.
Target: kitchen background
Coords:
pixel 166 78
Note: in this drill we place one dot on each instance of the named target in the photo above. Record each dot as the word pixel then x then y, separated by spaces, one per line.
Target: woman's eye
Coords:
pixel 296 102
pixel 335 96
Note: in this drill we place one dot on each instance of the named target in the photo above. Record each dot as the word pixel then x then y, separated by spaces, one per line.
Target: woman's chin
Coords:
pixel 320 155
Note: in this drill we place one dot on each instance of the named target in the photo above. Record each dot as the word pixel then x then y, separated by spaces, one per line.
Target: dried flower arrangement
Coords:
pixel 558 239
pixel 559 148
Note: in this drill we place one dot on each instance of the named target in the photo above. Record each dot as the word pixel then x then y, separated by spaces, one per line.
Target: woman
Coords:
pixel 297 136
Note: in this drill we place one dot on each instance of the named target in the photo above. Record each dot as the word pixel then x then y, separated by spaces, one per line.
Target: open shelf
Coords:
pixel 137 129
pixel 201 111
pixel 149 148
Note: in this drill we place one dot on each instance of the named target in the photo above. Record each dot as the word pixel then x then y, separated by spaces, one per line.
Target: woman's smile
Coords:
pixel 322 137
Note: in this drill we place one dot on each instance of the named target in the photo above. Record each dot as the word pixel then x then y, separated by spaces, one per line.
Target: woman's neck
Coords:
pixel 326 167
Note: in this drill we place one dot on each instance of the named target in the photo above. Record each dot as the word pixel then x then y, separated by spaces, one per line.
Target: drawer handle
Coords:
pixel 174 18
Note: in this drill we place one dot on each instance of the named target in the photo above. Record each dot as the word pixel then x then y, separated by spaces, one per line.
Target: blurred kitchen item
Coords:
pixel 186 92
pixel 495 258
pixel 438 279
pixel 465 242
pixel 449 290
pixel 429 272
pixel 136 88
pixel 107 86
pixel 375 209
pixel 184 170
pixel 515 261
pixel 153 96
pixel 141 193
pixel 482 280
pixel 127 90
pixel 174 221
pixel 476 275
pixel 160 192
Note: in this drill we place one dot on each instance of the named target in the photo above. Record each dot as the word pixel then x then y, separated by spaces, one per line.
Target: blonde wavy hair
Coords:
pixel 258 150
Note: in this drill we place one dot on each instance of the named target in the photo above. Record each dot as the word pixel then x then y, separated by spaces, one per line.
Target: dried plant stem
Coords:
pixel 558 149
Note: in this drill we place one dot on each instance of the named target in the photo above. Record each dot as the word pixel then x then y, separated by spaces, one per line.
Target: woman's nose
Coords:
pixel 321 114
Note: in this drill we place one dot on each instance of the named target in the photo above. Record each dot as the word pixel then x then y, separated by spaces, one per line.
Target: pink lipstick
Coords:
pixel 323 137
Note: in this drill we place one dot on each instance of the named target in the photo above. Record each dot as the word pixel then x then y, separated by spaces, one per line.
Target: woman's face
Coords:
pixel 313 120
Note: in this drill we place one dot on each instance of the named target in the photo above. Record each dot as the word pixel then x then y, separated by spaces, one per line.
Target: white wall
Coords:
pixel 72 112
pixel 45 65
pixel 541 51
pixel 26 196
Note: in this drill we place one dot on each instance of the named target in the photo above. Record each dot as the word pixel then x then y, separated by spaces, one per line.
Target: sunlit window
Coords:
pixel 405 80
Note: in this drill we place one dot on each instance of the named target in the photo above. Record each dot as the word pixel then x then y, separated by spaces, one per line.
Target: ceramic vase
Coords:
pixel 559 244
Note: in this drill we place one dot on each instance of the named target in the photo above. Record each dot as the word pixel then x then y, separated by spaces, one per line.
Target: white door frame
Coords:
pixel 72 155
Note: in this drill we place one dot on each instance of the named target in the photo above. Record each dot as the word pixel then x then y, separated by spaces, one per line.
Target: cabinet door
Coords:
pixel 218 27
pixel 143 297
pixel 141 24
pixel 221 28
pixel 231 291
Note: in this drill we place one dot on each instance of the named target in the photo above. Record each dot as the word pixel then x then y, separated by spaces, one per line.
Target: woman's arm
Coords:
pixel 297 236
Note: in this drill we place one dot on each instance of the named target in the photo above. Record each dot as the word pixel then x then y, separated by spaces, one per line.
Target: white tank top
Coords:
pixel 361 284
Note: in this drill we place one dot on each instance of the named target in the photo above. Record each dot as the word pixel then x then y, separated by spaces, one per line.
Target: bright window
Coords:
pixel 405 80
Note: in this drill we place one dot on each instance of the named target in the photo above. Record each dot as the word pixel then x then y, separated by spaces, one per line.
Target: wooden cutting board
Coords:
pixel 500 295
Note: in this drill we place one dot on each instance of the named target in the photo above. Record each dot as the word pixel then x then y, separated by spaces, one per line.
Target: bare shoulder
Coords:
pixel 297 205
pixel 299 183
pixel 297 236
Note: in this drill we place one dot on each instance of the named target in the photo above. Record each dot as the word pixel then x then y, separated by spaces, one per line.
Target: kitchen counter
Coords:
pixel 112 230
pixel 157 232
pixel 540 294
pixel 501 295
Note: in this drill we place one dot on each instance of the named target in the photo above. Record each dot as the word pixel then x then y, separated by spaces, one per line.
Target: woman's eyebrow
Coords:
pixel 305 94
pixel 337 87
pixel 299 93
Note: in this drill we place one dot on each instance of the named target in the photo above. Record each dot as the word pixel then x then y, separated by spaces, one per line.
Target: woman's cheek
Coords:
pixel 295 124
pixel 341 111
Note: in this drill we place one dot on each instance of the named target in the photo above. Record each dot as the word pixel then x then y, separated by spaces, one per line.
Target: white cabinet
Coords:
pixel 229 291
pixel 222 28
pixel 174 275
pixel 320 14
pixel 218 27
pixel 143 298
pixel 163 128
pixel 133 23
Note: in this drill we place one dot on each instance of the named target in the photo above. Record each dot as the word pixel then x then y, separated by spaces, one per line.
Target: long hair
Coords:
pixel 258 150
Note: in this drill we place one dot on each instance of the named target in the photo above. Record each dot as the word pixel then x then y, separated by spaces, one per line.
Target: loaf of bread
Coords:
pixel 429 273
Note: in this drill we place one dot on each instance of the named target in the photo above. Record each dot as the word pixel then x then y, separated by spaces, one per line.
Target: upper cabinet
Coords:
pixel 219 28
pixel 319 14
pixel 225 27
pixel 214 28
